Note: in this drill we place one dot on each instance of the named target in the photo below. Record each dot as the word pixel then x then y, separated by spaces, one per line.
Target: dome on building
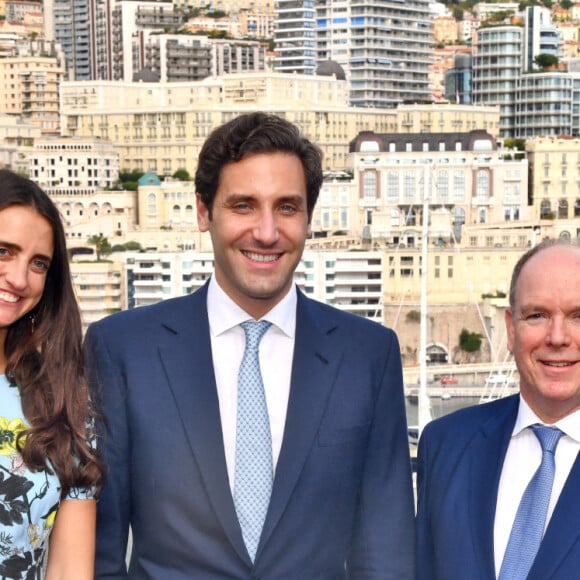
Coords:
pixel 146 75
pixel 149 178
pixel 330 68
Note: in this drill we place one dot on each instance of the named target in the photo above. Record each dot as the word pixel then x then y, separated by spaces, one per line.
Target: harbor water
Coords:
pixel 439 407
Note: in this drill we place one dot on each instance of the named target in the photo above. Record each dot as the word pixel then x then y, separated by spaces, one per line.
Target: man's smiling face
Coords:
pixel 544 332
pixel 258 225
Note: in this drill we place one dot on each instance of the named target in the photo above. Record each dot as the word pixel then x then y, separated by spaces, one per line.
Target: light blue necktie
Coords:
pixel 528 528
pixel 253 477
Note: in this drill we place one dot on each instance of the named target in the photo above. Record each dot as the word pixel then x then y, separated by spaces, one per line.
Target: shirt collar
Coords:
pixel 224 314
pixel 570 424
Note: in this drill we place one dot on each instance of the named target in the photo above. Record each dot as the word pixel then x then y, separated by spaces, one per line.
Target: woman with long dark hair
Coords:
pixel 49 472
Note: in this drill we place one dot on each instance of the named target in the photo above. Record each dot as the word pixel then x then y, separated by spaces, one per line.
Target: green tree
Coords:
pixel 130 179
pixel 519 144
pixel 102 245
pixel 413 316
pixel 182 175
pixel 469 341
pixel 133 246
pixel 545 60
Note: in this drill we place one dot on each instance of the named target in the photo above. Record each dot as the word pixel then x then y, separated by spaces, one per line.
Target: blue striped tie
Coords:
pixel 253 476
pixel 528 528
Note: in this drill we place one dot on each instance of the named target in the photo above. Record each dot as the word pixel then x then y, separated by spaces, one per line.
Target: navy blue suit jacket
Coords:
pixel 341 504
pixel 459 466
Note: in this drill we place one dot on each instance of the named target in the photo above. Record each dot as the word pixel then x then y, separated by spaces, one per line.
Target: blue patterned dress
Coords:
pixel 28 501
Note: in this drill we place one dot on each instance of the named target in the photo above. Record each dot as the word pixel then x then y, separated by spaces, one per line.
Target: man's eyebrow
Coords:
pixel 297 199
pixel 293 198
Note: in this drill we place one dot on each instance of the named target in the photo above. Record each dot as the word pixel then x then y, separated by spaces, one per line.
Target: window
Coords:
pixel 458 186
pixel 545 209
pixel 482 184
pixel 370 184
pixel 409 187
pixel 395 220
pixel 393 186
pixel 562 209
pixel 443 186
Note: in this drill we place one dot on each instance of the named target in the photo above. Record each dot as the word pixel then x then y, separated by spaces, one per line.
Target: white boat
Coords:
pixel 501 381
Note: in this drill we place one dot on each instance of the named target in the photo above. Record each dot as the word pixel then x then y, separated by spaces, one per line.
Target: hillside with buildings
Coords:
pixel 476 107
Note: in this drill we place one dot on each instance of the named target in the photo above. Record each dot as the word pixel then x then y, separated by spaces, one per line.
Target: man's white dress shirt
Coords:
pixel 276 355
pixel 523 457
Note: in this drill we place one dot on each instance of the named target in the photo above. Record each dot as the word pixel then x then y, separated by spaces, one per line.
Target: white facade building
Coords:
pixel 350 280
pixel 70 163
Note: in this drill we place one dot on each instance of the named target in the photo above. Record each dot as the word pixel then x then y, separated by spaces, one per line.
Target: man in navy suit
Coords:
pixel 341 503
pixel 474 465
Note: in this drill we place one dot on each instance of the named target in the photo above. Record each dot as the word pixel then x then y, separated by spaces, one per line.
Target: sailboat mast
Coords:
pixel 424 405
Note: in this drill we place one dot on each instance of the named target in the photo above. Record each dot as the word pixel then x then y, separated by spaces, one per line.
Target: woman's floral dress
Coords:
pixel 28 501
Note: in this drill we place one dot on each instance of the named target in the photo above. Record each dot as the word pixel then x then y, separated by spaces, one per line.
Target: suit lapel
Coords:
pixel 187 360
pixel 314 367
pixel 563 530
pixel 487 455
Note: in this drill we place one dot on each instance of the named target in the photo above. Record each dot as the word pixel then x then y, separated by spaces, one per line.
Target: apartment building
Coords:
pixel 69 163
pixel 349 280
pixel 161 126
pixel 156 276
pixel 458 79
pixel 256 23
pixel 16 10
pixel 445 29
pixel 80 175
pixel 230 6
pixel 384 47
pixel 502 60
pixel 497 67
pixel 295 36
pixel 446 118
pixel 29 87
pixel 68 23
pixel 118 29
pixel 464 177
pixel 555 182
pixel 16 140
pixel 99 288
pixel 179 57
pixel 381 285
pixel 111 214
pixel 548 104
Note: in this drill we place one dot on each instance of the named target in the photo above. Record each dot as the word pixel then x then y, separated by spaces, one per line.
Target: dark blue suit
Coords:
pixel 459 466
pixel 342 491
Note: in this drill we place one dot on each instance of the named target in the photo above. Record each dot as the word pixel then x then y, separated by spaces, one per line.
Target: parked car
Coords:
pixel 449 381
pixel 501 379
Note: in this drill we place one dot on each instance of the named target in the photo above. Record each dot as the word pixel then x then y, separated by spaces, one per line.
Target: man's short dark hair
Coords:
pixel 251 134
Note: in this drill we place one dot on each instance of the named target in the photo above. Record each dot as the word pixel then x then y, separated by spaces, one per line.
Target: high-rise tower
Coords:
pixel 383 45
pixel 68 24
pixel 294 36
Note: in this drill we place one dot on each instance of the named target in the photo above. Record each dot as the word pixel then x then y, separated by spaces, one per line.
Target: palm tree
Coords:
pixel 102 246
